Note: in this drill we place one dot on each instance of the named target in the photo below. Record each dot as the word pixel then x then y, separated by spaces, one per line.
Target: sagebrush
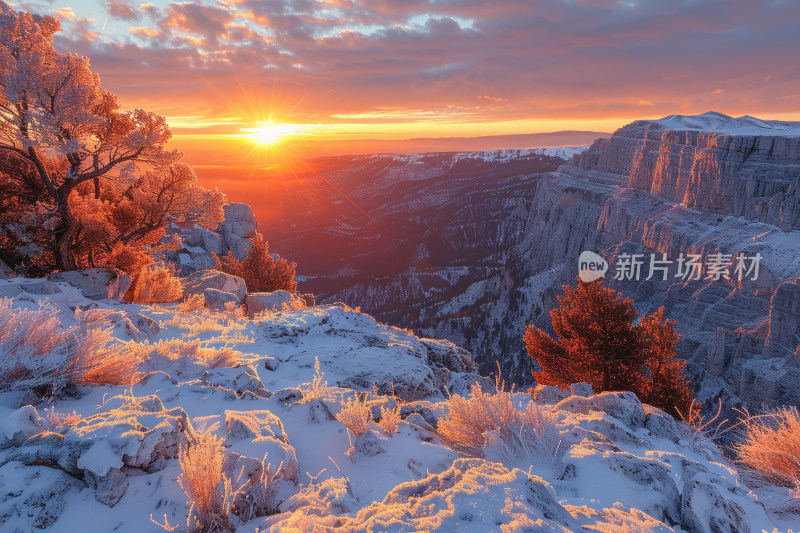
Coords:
pixel 38 352
pixel 209 491
pixel 771 447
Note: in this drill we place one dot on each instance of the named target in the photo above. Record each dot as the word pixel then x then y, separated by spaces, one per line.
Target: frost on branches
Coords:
pixel 82 184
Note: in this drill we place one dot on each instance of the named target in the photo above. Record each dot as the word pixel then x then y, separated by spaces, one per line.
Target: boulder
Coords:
pixel 448 355
pixel 198 282
pixel 205 239
pixel 624 406
pixel 258 302
pixel 141 328
pixel 704 509
pixel 20 426
pixel 96 283
pixel 581 389
pixel 254 425
pixel 239 220
pixel 217 300
pixel 40 287
pixel 548 394
pixel 238 246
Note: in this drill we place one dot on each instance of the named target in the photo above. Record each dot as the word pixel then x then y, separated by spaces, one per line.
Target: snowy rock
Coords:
pixel 254 425
pixel 587 466
pixel 548 394
pixel 110 488
pixel 705 510
pixel 198 282
pixel 581 389
pixel 39 287
pixel 38 496
pixel 217 300
pixel 660 424
pixel 624 406
pixel 205 239
pixel 258 302
pixel 19 426
pixel 141 327
pixel 96 283
pixel 240 220
pixel 510 500
pixel 138 434
pixel 449 356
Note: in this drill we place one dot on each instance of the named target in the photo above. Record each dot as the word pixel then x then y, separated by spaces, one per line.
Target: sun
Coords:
pixel 269 132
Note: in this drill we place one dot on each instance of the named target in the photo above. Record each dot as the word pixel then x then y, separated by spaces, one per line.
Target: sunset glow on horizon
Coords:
pixel 248 84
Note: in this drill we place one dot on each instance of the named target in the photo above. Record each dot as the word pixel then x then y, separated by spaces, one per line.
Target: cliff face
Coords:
pixel 653 189
pixel 748 175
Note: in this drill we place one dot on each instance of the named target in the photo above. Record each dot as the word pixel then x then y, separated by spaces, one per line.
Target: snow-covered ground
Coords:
pixel 619 466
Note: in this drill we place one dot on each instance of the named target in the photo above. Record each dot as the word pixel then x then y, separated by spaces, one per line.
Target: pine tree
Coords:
pixel 599 342
pixel 259 270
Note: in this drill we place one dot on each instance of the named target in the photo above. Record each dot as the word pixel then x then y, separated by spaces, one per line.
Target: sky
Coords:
pixel 345 73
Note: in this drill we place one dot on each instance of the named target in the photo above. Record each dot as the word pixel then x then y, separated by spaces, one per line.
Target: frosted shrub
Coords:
pixel 468 419
pixel 356 415
pixel 771 447
pixel 196 350
pixel 319 385
pixel 209 491
pixel 36 350
pixel 194 302
pixel 156 284
pixel 260 500
pixel 55 421
pixel 390 419
pixel 491 426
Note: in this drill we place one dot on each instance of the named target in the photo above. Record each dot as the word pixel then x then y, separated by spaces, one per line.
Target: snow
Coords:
pixel 717 122
pixel 406 482
pixel 100 458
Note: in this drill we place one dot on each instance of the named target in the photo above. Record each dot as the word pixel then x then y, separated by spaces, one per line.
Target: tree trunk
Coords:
pixel 65 259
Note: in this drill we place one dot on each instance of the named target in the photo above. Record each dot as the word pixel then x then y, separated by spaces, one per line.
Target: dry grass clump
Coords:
pixel 490 425
pixel 319 385
pixel 261 496
pixel 771 447
pixel 156 284
pixel 194 302
pixel 38 352
pixel 208 489
pixel 54 421
pixel 390 419
pixel 355 414
pixel 200 351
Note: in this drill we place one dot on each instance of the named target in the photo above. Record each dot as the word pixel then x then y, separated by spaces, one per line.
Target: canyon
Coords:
pixel 474 246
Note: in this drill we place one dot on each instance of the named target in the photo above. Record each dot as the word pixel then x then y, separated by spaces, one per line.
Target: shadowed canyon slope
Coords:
pixel 474 246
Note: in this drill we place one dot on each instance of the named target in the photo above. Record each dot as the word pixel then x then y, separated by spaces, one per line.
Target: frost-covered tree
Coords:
pixel 103 176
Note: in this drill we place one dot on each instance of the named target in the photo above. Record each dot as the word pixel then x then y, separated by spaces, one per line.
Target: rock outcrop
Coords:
pixel 96 283
pixel 203 280
pixel 232 235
